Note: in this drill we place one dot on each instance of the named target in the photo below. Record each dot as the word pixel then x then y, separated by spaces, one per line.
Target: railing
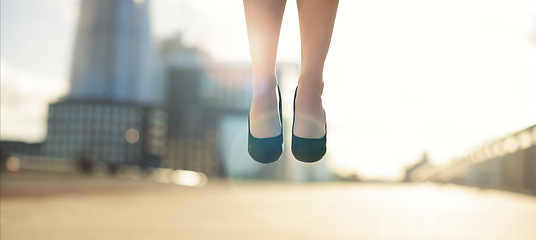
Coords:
pixel 508 163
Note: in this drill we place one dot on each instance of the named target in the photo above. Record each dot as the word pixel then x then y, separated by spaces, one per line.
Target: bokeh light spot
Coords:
pixel 132 135
pixel 13 164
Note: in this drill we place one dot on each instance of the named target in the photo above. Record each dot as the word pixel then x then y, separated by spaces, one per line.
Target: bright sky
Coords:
pixel 402 77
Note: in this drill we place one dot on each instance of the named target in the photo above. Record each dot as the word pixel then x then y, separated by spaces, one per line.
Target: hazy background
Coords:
pixel 402 77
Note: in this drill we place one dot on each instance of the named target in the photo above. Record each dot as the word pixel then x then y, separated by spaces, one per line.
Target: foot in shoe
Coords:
pixel 310 120
pixel 264 115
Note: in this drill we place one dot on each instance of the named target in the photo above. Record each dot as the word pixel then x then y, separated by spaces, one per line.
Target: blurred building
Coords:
pixel 508 163
pixel 7 148
pixel 113 53
pixel 114 111
pixel 106 131
pixel 10 148
pixel 208 104
pixel 195 106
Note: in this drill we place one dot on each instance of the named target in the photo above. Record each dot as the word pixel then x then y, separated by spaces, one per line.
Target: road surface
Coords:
pixel 38 205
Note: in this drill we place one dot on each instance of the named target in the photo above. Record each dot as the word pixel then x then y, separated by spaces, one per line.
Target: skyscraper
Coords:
pixel 111 113
pixel 113 52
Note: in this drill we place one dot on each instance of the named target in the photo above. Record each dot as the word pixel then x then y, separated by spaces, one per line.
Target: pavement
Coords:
pixel 44 205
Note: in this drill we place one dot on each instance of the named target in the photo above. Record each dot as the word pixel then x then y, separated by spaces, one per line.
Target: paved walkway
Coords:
pixel 61 206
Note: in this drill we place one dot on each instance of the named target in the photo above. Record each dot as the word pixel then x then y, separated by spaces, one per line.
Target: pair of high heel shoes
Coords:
pixel 268 150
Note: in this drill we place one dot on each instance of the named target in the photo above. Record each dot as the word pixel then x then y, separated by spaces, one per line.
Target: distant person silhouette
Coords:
pixel 263 19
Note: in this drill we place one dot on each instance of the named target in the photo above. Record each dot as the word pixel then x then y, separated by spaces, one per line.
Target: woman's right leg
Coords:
pixel 263 19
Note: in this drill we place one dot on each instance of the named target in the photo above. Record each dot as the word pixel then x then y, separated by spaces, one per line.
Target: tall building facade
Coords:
pixel 200 93
pixel 113 52
pixel 105 131
pixel 113 112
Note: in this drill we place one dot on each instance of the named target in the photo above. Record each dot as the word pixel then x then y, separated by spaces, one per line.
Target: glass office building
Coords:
pixel 198 102
pixel 106 131
pixel 113 113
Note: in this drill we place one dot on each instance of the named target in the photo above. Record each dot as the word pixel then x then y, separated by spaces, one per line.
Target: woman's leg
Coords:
pixel 316 26
pixel 263 19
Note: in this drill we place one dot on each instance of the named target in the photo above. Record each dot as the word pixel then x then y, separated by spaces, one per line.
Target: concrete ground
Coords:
pixel 40 205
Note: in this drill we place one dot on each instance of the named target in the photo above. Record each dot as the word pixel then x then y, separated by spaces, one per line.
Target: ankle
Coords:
pixel 309 92
pixel 310 86
pixel 264 98
pixel 263 86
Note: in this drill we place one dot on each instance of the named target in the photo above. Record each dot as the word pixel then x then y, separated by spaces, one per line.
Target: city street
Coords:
pixel 40 205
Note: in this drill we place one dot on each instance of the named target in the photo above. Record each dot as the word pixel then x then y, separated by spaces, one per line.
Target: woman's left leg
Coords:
pixel 317 18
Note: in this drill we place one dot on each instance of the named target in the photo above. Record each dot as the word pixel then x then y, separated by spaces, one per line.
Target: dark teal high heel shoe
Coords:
pixel 267 150
pixel 307 149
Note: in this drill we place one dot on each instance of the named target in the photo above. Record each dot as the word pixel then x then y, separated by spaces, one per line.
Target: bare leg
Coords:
pixel 317 18
pixel 263 19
